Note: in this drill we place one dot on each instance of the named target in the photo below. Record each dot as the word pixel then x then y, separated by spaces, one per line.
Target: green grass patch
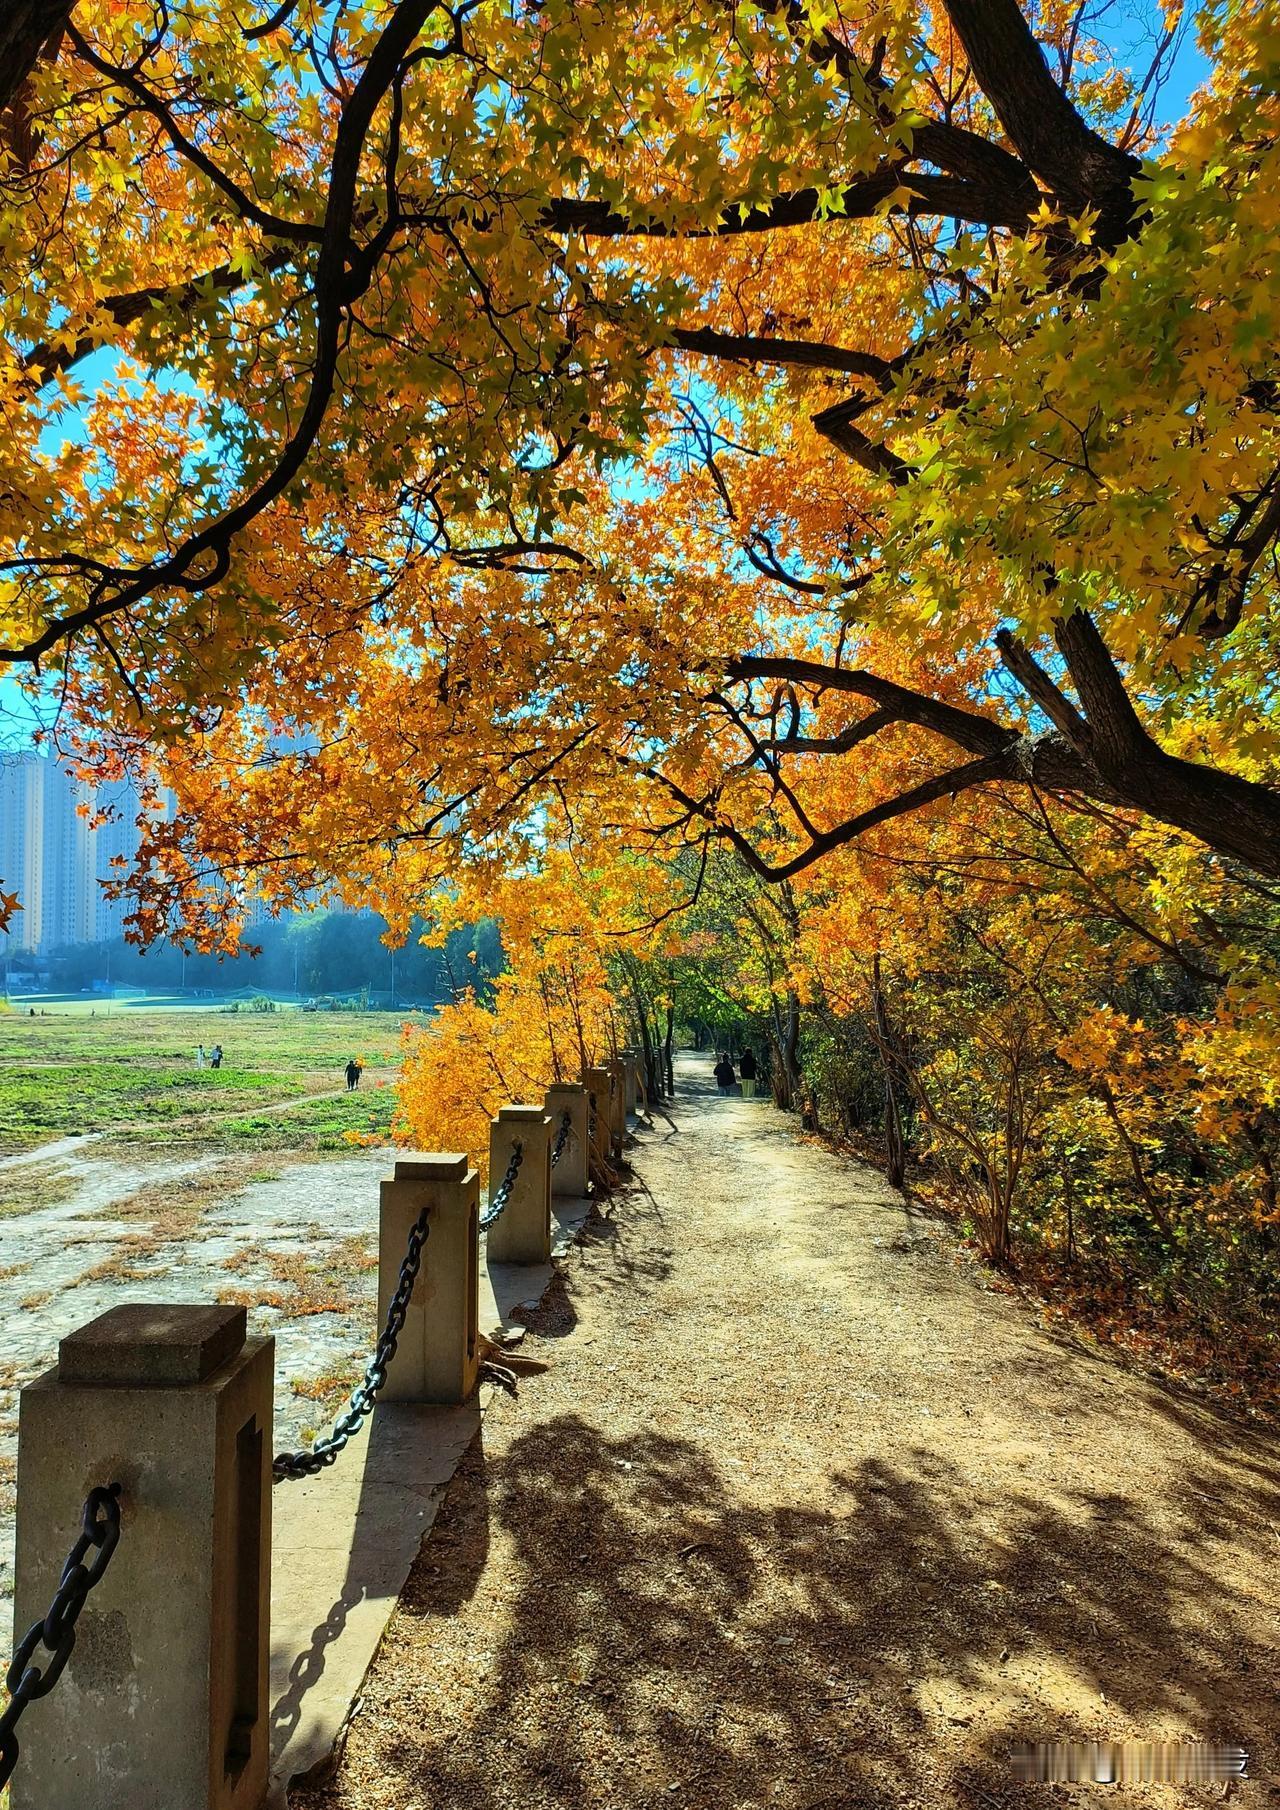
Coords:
pixel 135 1076
pixel 316 1124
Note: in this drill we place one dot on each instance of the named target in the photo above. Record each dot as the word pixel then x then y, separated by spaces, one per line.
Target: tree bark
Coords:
pixel 895 1155
pixel 1070 158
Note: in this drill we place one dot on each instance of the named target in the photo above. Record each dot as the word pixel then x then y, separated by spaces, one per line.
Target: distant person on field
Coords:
pixel 353 1075
pixel 200 1055
pixel 216 1058
pixel 725 1076
pixel 748 1070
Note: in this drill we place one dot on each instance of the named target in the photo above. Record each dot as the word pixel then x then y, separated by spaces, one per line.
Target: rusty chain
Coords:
pixel 100 1529
pixel 288 1466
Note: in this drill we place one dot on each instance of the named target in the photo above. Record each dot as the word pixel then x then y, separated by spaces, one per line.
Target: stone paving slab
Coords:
pixel 343 1543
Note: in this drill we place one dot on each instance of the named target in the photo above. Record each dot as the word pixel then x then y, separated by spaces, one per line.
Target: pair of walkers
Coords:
pixel 747 1072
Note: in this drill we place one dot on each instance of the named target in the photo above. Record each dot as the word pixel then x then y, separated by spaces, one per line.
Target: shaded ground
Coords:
pixel 802 1516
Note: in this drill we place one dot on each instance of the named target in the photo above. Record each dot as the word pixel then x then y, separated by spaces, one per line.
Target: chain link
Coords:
pixel 287 1466
pixel 562 1138
pixel 100 1529
pixel 498 1200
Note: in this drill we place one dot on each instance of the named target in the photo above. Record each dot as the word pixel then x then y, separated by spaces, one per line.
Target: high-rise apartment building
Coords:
pixel 22 845
pixel 53 857
pixel 67 864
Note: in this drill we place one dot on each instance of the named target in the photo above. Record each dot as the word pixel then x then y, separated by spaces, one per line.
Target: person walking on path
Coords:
pixel 353 1075
pixel 725 1076
pixel 215 1061
pixel 748 1070
pixel 199 1055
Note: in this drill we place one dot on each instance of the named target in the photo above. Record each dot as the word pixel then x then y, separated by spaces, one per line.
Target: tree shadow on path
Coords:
pixel 664 1639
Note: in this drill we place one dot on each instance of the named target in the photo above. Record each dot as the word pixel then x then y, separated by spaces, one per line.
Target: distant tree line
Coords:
pixel 319 953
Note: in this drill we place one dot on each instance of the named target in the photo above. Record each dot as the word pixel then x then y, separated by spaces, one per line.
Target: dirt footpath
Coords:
pixel 802 1516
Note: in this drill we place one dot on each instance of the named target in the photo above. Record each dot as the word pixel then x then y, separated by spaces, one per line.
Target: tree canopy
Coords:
pixel 707 396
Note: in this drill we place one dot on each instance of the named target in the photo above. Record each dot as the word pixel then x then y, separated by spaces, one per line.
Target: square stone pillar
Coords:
pixel 596 1082
pixel 617 1104
pixel 630 1073
pixel 164 1701
pixel 522 1233
pixel 438 1358
pixel 569 1178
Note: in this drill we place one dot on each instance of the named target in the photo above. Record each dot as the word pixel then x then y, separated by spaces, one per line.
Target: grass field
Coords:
pixel 133 1075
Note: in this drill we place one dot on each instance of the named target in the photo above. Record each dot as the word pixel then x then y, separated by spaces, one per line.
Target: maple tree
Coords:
pixel 551 1015
pixel 1047 413
pixel 419 268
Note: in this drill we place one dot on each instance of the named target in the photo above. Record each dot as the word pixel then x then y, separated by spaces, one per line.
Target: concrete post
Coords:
pixel 164 1701
pixel 437 1359
pixel 596 1082
pixel 569 1178
pixel 618 1104
pixel 630 1071
pixel 523 1232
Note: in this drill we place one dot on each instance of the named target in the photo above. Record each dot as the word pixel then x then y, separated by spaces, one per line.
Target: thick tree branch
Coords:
pixel 1101 752
pixel 1111 729
pixel 757 349
pixel 852 737
pixel 950 147
pixel 948 196
pixel 1070 158
pixel 945 785
pixel 46 360
pixel 1039 687
pixel 838 424
pixel 26 27
pixel 1236 817
pixel 965 728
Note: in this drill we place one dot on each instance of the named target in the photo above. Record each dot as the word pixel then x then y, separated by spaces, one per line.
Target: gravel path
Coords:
pixel 801 1515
